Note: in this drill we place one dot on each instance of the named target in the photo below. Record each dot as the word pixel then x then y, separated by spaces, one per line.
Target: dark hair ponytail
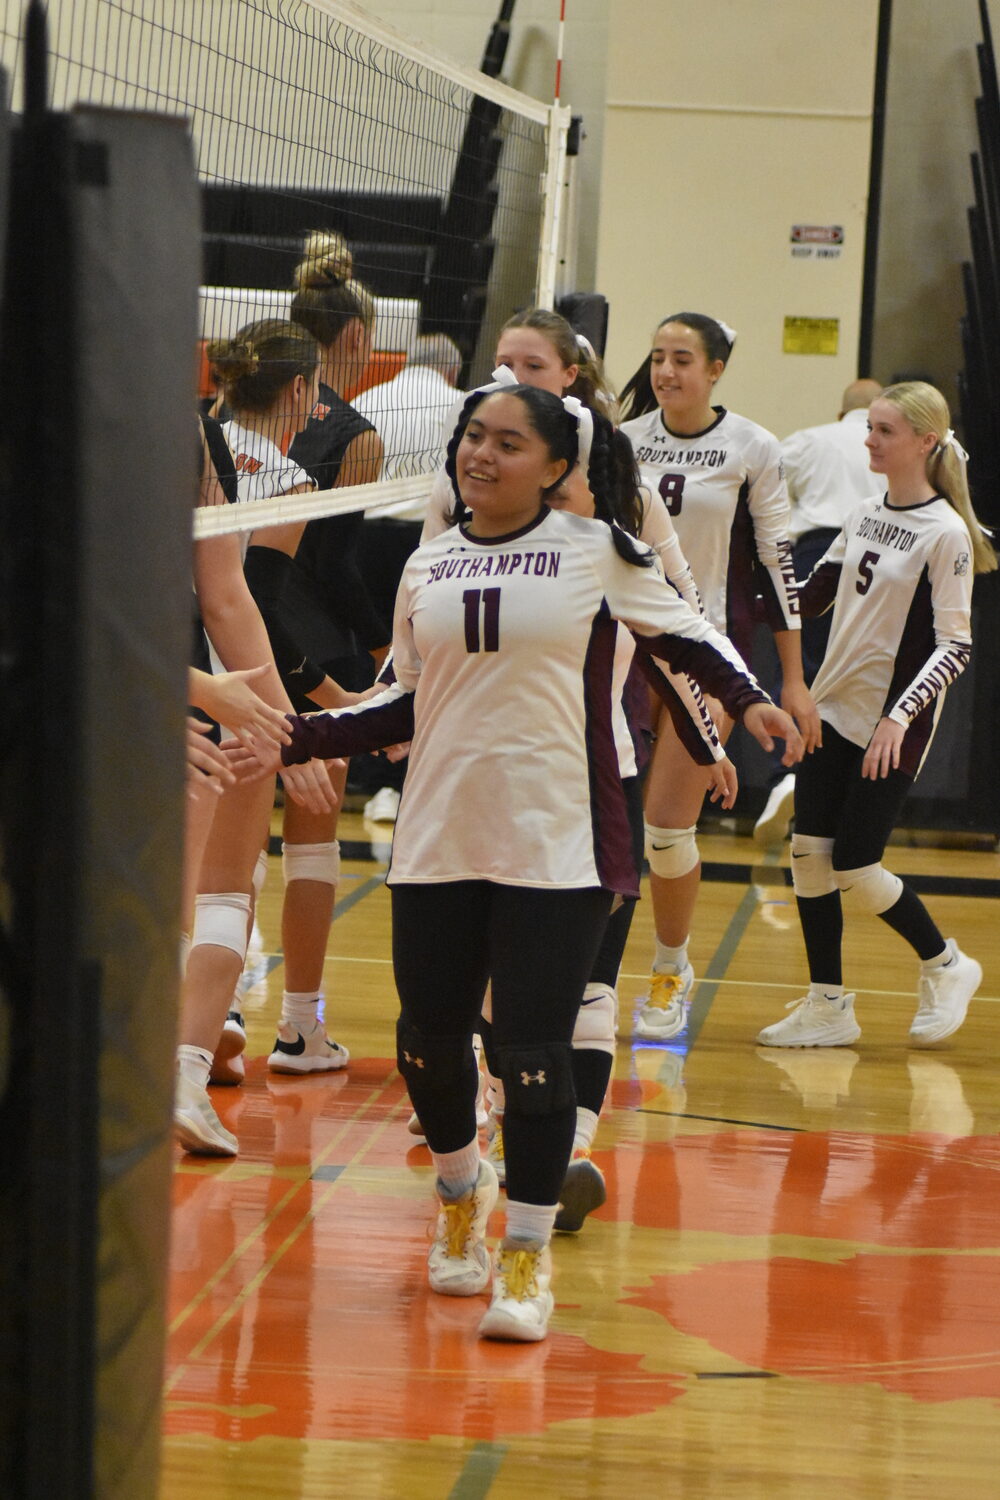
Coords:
pixel 637 393
pixel 613 480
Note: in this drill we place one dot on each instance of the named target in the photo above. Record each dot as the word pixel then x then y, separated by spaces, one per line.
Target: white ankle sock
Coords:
pixel 531 1221
pixel 831 992
pixel 941 962
pixel 194 1063
pixel 300 1009
pixel 457 1170
pixel 670 958
pixel 586 1129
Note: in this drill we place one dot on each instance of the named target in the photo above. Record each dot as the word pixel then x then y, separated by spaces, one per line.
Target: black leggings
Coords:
pixel 536 947
pixel 833 801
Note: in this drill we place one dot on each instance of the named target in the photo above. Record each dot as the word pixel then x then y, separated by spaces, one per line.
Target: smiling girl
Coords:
pixel 512 837
pixel 899 577
pixel 719 478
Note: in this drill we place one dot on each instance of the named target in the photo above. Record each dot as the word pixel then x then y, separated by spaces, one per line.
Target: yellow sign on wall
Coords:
pixel 811 336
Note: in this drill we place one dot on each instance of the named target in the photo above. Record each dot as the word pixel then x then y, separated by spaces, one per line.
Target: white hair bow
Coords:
pixel 951 441
pixel 584 419
pixel 729 332
pixel 502 375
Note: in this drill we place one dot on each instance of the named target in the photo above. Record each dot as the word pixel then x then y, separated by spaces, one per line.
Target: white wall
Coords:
pixel 727 122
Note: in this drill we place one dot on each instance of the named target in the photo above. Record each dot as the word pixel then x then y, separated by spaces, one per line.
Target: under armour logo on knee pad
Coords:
pixel 538 1077
pixel 417 1062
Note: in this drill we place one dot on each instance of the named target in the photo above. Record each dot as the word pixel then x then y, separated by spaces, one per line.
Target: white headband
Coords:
pixel 584 343
pixel 951 441
pixel 584 418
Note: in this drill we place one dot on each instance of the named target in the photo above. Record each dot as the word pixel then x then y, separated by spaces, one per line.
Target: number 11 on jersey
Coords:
pixel 489 601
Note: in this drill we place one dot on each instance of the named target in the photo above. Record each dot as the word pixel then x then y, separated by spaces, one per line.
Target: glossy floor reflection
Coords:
pixel 791 1291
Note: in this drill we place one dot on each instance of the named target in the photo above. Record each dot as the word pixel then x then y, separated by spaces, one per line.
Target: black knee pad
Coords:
pixel 537 1080
pixel 431 1062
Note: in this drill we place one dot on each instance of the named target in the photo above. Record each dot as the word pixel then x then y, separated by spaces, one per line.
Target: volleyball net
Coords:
pixel 312 115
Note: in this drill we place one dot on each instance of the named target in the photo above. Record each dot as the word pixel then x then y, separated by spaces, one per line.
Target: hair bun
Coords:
pixel 326 260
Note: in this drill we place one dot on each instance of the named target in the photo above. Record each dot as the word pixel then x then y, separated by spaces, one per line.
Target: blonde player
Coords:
pixel 899 577
pixel 512 836
pixel 718 476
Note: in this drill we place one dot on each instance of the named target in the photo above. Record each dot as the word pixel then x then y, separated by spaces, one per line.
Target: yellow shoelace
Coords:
pixel 664 989
pixel 518 1268
pixel 458 1224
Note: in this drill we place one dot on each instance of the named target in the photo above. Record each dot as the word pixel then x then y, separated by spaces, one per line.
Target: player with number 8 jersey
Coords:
pixel 719 477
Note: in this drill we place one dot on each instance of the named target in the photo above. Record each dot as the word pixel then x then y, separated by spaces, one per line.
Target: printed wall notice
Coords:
pixel 811 336
pixel 817 241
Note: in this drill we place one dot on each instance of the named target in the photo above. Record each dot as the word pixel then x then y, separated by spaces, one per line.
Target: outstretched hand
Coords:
pixel 229 698
pixel 307 784
pixel 723 782
pixel 207 766
pixel 765 720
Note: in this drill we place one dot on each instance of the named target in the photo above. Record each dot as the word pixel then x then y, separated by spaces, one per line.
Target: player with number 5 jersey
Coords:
pixel 899 577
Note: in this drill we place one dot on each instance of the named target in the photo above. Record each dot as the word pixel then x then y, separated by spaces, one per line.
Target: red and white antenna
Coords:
pixel 559 48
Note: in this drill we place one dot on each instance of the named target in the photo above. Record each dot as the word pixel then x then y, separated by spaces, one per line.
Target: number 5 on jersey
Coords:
pixel 865 567
pixel 488 600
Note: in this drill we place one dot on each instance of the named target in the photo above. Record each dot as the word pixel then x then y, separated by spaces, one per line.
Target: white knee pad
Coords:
pixel 311 862
pixel 222 919
pixel 260 873
pixel 812 865
pixel 871 888
pixel 671 852
pixel 597 1020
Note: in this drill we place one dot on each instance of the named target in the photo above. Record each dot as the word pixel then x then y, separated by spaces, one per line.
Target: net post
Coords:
pixel 557 136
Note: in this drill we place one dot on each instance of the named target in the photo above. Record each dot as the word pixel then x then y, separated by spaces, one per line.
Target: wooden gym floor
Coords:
pixel 791 1293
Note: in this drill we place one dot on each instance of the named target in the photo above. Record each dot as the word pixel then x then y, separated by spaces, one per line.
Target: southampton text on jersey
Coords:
pixel 542 564
pixel 886 533
pixel 698 458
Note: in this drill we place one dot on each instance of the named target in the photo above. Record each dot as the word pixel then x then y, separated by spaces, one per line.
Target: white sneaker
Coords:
pixel 662 1015
pixel 583 1189
pixel 458 1262
pixel 944 997
pixel 814 1021
pixel 494 1149
pixel 196 1125
pixel 227 1064
pixel 383 807
pixel 315 1053
pixel 522 1302
pixel 771 828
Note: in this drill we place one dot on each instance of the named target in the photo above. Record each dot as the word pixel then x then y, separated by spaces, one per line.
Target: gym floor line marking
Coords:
pixel 479 1471
pixel 707 988
pixel 682 1114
